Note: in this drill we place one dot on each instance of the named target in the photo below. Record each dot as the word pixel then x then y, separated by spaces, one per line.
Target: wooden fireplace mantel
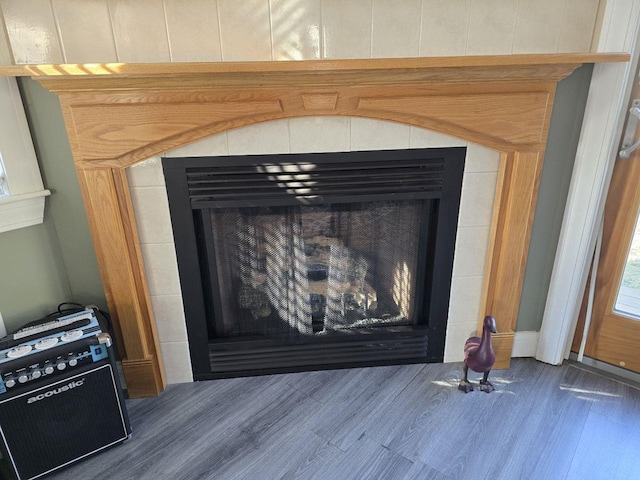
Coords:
pixel 119 114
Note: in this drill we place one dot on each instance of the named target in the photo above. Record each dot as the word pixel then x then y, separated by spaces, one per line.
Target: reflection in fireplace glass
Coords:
pixel 290 272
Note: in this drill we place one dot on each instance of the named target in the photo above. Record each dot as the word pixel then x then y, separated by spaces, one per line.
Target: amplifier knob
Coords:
pixel 19 351
pixel 10 383
pixel 73 362
pixel 71 335
pixel 23 378
pixel 36 374
pixel 48 370
pixel 46 343
pixel 61 366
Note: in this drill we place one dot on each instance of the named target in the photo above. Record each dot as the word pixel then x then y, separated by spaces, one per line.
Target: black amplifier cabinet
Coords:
pixel 55 419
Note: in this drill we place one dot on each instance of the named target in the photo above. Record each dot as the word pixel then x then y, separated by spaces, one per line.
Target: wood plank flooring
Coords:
pixel 398 422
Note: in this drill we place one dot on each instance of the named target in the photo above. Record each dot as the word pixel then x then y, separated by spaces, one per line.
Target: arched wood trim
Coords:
pixel 119 114
pixel 130 126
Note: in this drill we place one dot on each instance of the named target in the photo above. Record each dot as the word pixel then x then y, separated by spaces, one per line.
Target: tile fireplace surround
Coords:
pixel 305 135
pixel 119 115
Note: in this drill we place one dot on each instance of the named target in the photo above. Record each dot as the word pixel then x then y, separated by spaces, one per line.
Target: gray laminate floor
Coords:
pixel 399 422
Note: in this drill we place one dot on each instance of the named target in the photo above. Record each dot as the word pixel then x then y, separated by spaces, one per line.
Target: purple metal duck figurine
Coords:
pixel 479 357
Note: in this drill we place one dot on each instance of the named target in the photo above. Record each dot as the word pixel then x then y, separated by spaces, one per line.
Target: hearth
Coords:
pixel 311 261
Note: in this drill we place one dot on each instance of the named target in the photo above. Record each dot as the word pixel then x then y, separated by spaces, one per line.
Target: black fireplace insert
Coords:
pixel 310 261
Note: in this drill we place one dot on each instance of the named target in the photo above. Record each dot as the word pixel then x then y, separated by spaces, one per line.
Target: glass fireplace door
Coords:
pixel 292 272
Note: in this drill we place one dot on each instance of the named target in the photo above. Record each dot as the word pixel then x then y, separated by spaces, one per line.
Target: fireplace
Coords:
pixel 309 261
pixel 119 114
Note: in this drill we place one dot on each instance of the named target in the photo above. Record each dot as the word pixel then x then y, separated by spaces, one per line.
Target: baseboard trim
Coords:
pixel 142 378
pixel 525 344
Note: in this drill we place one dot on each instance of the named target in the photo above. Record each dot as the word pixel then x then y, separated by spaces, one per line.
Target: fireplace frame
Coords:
pixel 430 175
pixel 119 114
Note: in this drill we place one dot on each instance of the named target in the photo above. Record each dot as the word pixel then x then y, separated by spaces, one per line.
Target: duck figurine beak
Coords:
pixel 490 323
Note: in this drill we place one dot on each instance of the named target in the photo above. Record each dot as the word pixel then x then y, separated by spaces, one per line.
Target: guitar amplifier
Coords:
pixel 60 400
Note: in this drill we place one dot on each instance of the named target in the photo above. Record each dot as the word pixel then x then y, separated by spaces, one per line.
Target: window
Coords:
pixel 22 193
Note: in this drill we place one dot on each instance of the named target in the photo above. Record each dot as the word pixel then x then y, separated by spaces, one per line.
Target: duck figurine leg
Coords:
pixel 479 357
pixel 485 384
pixel 465 384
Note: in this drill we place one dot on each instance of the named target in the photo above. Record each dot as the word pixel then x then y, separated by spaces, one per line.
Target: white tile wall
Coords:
pixel 147 173
pixel 177 365
pixel 532 14
pixel 5 49
pixel 32 31
pixel 228 30
pixel 395 28
pixel 245 30
pixel 314 134
pixel 579 20
pixel 269 137
pixel 320 134
pixel 140 30
pixel 492 25
pixel 444 27
pixel 154 221
pixel 346 29
pixel 481 159
pixel 168 312
pixel 471 251
pixel 476 204
pixel 86 31
pixel 367 134
pixel 467 293
pixel 296 29
pixel 214 145
pixel 193 30
pixel 161 267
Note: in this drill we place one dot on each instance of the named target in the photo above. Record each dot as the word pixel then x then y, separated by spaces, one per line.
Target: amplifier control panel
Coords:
pixel 50 349
pixel 56 360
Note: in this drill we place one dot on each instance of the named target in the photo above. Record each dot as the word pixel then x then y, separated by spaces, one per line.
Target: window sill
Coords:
pixel 18 211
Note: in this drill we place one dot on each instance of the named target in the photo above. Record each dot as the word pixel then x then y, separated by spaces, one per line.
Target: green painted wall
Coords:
pixel 34 280
pixel 55 262
pixel 562 143
pixel 66 207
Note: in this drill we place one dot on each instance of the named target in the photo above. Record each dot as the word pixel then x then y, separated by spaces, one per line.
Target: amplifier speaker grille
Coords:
pixel 49 427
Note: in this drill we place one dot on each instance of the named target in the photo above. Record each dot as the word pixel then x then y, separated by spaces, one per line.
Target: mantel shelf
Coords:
pixel 343 65
pixel 318 73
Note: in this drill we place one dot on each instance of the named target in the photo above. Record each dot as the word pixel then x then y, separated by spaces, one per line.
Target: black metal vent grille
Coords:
pixel 252 184
pixel 394 345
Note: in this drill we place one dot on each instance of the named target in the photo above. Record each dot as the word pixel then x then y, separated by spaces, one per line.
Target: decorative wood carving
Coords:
pixel 118 114
pixel 320 101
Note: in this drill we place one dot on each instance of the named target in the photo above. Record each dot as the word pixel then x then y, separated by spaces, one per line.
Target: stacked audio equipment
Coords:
pixel 60 396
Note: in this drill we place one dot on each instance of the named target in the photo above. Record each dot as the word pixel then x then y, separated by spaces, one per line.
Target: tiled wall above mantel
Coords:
pixel 100 31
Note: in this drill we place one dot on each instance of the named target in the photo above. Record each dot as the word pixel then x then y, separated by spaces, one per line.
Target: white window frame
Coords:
pixel 597 151
pixel 24 205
